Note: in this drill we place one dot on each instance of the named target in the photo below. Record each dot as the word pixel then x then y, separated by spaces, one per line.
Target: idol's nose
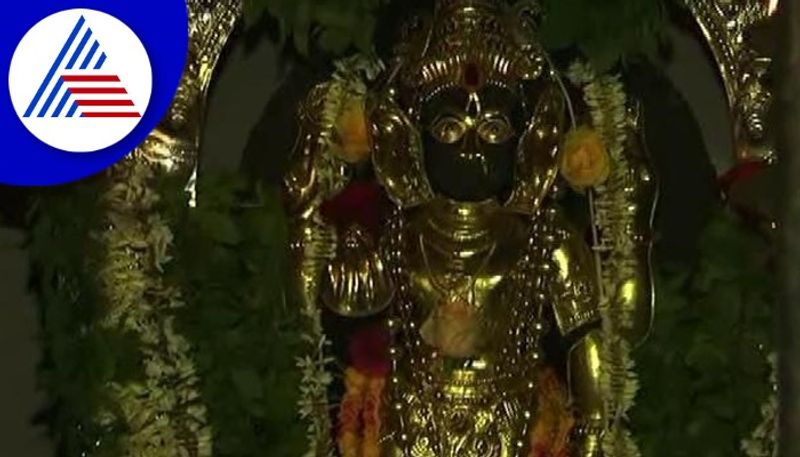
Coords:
pixel 471 142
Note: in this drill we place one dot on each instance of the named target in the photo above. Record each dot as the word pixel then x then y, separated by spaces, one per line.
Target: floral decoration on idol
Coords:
pixel 360 411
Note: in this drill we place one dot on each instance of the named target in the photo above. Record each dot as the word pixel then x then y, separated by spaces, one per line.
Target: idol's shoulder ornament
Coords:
pixel 480 143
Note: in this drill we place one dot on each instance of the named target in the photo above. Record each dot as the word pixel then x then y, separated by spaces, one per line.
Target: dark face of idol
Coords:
pixel 470 141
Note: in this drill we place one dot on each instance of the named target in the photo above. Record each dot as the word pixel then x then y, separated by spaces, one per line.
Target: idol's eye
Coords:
pixel 448 129
pixel 495 130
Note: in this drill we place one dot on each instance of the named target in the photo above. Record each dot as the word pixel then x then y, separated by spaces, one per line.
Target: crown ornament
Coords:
pixel 472 43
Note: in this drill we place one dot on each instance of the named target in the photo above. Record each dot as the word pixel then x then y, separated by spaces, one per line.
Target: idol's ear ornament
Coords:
pixel 397 152
pixel 538 152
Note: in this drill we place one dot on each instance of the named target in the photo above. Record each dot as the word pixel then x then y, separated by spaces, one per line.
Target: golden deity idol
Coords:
pixel 487 270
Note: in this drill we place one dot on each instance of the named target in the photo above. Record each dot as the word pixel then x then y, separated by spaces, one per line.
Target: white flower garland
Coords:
pixel 313 401
pixel 164 412
pixel 762 443
pixel 606 99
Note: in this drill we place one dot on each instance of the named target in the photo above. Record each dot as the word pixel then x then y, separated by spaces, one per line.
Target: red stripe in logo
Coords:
pixel 98 90
pixel 131 114
pixel 104 102
pixel 90 78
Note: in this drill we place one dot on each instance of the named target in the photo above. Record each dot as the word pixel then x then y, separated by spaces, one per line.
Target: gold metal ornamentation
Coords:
pixel 175 143
pixel 726 25
pixel 472 284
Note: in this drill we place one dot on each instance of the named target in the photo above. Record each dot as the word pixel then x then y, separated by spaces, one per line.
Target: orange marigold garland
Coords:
pixel 360 410
pixel 371 418
pixel 350 412
pixel 554 421
pixel 352 141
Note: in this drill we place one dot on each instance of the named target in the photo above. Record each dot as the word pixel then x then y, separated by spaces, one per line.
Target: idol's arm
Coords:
pixel 578 319
pixel 341 268
pixel 584 366
pixel 577 316
pixel 634 295
pixel 313 176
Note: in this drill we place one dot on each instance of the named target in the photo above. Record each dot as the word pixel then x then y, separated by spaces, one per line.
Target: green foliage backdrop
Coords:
pixel 606 32
pixel 80 357
pixel 704 369
pixel 335 26
pixel 230 265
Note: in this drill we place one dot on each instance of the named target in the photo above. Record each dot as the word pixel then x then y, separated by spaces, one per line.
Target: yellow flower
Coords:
pixel 370 449
pixel 351 131
pixel 355 381
pixel 584 159
pixel 349 444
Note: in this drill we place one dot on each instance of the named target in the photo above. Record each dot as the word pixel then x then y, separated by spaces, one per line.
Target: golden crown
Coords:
pixel 472 43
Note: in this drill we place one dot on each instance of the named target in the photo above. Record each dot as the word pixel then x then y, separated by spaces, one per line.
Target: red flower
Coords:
pixel 540 450
pixel 741 172
pixel 349 415
pixel 369 351
pixel 372 404
pixel 361 202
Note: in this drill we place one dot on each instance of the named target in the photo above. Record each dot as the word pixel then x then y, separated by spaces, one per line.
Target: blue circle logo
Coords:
pixel 87 82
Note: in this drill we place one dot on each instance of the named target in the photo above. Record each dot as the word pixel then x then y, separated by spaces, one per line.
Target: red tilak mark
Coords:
pixel 112 115
pixel 90 78
pixel 98 90
pixel 104 102
pixel 472 76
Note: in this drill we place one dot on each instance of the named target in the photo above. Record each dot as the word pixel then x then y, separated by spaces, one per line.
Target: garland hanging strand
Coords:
pixel 316 379
pixel 606 99
pixel 163 412
pixel 348 83
pixel 762 442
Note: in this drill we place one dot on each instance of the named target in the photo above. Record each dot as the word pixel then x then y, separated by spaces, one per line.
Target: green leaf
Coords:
pixel 364 34
pixel 336 40
pixel 247 383
pixel 706 356
pixel 302 26
pixel 334 16
pixel 751 361
pixel 253 11
pixel 220 228
pixel 606 32
pixel 703 352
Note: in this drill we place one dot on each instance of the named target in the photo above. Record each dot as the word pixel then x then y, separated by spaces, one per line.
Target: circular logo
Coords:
pixel 86 82
pixel 80 80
